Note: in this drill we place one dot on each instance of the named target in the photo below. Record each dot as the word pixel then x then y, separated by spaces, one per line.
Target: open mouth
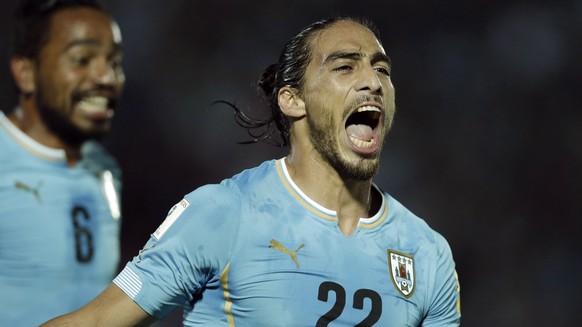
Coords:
pixel 96 106
pixel 363 128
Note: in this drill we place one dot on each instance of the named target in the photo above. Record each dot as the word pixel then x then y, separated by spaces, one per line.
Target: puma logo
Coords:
pixel 274 244
pixel 26 188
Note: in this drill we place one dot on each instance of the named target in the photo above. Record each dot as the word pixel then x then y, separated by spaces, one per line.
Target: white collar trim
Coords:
pixel 326 210
pixel 29 144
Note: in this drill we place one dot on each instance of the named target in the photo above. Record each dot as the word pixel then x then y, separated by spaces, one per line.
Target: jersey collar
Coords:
pixel 323 212
pixel 29 144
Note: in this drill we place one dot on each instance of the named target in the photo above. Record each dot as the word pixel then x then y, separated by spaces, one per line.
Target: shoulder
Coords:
pixel 255 175
pixel 213 196
pixel 207 217
pixel 213 202
pixel 7 143
pixel 222 203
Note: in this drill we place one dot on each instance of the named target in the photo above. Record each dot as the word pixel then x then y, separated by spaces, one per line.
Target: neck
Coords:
pixel 351 199
pixel 28 120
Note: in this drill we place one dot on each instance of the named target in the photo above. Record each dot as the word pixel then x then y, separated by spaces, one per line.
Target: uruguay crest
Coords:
pixel 401 267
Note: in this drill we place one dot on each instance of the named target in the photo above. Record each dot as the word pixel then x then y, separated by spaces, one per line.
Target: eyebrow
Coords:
pixel 380 56
pixel 117 47
pixel 376 57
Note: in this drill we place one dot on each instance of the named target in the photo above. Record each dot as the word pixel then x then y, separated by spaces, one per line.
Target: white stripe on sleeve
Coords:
pixel 128 281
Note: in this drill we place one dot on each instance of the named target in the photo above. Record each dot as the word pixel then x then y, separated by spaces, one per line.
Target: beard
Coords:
pixel 62 125
pixel 362 169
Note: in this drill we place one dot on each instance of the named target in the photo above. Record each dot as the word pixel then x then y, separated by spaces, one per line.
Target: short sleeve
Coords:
pixel 445 307
pixel 191 250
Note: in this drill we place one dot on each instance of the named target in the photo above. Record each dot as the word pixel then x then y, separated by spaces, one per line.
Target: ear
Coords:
pixel 23 72
pixel 290 103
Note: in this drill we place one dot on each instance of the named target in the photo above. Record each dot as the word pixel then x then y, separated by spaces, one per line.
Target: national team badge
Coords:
pixel 401 267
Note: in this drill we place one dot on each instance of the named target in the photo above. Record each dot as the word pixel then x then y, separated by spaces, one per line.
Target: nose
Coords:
pixel 368 80
pixel 104 72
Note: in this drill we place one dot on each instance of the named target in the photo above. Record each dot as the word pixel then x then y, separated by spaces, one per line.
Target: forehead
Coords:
pixel 74 24
pixel 345 36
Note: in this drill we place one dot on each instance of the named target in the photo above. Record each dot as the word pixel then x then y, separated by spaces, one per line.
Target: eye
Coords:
pixel 81 60
pixel 343 68
pixel 383 70
pixel 115 62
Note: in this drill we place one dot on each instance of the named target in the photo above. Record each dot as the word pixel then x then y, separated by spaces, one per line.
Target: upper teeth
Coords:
pixel 368 108
pixel 96 100
pixel 94 104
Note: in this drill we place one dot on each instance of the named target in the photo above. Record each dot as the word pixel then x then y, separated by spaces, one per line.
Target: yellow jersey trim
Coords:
pixel 226 295
pixel 366 223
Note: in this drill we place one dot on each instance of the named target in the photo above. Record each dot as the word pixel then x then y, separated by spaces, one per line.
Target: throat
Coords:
pixel 348 226
pixel 349 215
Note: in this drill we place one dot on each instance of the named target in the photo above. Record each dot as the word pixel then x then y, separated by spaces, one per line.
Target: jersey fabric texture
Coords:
pixel 255 251
pixel 59 228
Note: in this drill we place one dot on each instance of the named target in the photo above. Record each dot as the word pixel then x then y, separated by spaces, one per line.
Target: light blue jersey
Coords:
pixel 59 228
pixel 256 251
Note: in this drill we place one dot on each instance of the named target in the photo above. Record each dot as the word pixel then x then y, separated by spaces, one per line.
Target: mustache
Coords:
pixel 367 98
pixel 359 100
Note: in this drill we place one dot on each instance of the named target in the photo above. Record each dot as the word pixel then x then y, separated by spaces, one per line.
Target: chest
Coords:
pixel 55 218
pixel 308 273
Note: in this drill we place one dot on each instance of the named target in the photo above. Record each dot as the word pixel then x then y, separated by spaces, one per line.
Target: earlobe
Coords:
pixel 290 103
pixel 23 70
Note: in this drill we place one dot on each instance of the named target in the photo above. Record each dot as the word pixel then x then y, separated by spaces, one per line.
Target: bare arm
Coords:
pixel 111 308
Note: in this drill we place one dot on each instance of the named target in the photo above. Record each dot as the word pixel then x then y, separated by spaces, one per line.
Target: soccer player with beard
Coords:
pixel 59 204
pixel 306 240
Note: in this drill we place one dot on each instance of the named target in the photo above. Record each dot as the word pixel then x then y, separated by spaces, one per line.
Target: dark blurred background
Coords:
pixel 486 144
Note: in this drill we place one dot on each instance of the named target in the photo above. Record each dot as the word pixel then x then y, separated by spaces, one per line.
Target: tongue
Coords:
pixel 360 131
